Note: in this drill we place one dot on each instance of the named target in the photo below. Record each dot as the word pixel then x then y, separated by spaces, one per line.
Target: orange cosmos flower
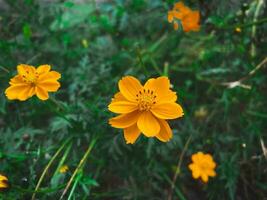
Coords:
pixel 63 169
pixel 145 109
pixel 31 81
pixel 3 182
pixel 203 166
pixel 188 18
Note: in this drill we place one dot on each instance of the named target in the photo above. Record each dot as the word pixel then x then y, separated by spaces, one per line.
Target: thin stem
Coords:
pixel 74 186
pixel 47 167
pixel 254 27
pixel 178 167
pixel 237 83
pixel 33 58
pixel 79 167
pixel 141 62
pixel 4 69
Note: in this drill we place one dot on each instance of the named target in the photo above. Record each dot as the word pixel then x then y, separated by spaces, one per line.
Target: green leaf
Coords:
pixel 72 15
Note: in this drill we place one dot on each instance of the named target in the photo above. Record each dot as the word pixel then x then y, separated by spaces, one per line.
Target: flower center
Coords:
pixel 30 77
pixel 146 99
pixel 203 166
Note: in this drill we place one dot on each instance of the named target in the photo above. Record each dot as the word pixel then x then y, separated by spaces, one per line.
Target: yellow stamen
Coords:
pixel 146 99
pixel 30 77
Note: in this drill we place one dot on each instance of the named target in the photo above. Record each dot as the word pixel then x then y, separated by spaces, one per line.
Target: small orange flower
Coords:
pixel 238 30
pixel 188 18
pixel 3 182
pixel 31 81
pixel 144 109
pixel 201 113
pixel 203 166
pixel 63 169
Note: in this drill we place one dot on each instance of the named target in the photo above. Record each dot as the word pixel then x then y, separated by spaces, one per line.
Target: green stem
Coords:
pixel 74 186
pixel 4 69
pixel 48 166
pixel 79 167
pixel 141 62
pixel 178 167
pixel 254 27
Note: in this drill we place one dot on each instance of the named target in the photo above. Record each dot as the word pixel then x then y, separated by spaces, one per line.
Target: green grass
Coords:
pixel 93 45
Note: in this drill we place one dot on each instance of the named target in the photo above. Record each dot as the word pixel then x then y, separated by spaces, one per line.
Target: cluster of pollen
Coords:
pixel 146 99
pixel 30 77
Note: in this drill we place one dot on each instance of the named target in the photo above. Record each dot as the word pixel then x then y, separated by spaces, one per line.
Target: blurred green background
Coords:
pixel 93 43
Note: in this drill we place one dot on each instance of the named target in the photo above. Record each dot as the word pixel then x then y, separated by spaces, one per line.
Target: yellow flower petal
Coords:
pixel 196 174
pixel 16 80
pixel 182 8
pixel 13 91
pixel 197 157
pixel 41 93
pixel 122 107
pixel 161 87
pixel 129 87
pixel 53 75
pixel 160 84
pixel 24 69
pixel 175 26
pixel 25 93
pixel 148 124
pixel 118 97
pixel 42 69
pixel 124 120
pixel 178 15
pixel 167 110
pixel 195 171
pixel 191 22
pixel 131 134
pixel 211 173
pixel 3 178
pixel 209 160
pixel 3 185
pixel 3 182
pixel 50 85
pixel 204 178
pixel 170 16
pixel 165 133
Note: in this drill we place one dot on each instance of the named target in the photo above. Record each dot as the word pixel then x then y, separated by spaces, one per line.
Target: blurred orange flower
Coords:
pixel 3 182
pixel 145 109
pixel 31 81
pixel 203 166
pixel 63 169
pixel 188 18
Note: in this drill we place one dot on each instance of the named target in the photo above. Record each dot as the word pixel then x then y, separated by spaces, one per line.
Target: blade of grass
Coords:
pixel 178 167
pixel 253 50
pixel 176 189
pixel 48 166
pixel 79 176
pixel 79 167
pixel 66 153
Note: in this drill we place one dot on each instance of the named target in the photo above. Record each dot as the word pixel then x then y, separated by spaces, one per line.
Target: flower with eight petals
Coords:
pixel 33 81
pixel 145 109
pixel 203 166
